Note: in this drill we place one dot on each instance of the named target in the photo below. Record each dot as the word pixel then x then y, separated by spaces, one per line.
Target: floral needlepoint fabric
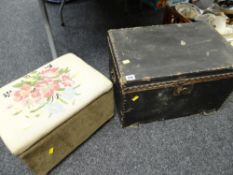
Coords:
pixel 48 89
pixel 35 104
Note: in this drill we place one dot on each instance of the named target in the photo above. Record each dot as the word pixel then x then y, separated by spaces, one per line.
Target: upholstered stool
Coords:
pixel 49 112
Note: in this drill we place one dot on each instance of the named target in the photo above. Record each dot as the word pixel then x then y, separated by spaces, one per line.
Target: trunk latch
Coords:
pixel 182 90
pixel 113 76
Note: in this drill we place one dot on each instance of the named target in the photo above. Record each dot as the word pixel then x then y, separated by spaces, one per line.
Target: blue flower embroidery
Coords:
pixel 68 94
pixel 54 108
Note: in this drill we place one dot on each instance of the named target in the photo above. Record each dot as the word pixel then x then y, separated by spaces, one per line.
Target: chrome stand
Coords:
pixel 47 28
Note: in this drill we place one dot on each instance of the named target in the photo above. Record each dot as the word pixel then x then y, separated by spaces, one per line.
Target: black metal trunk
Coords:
pixel 162 72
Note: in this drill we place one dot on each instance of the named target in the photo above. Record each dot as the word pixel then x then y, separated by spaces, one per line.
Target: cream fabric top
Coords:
pixel 35 104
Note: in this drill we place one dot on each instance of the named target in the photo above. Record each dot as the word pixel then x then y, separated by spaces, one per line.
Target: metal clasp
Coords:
pixel 182 90
pixel 113 76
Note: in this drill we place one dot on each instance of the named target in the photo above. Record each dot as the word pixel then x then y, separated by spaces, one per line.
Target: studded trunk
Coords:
pixel 168 71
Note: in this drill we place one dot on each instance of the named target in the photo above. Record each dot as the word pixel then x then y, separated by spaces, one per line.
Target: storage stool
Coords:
pixel 46 114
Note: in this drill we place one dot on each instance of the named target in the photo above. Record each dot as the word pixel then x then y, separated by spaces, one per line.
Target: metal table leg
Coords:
pixel 61 12
pixel 48 28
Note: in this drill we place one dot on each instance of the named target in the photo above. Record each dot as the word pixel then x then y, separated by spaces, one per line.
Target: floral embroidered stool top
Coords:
pixel 35 104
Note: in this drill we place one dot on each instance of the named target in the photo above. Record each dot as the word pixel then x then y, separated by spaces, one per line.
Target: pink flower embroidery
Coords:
pixel 46 88
pixel 66 80
pixel 36 93
pixel 50 72
pixel 23 93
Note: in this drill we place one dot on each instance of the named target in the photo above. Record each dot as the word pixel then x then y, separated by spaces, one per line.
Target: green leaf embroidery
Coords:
pixel 17 113
pixel 30 82
pixel 61 89
pixel 37 115
pixel 63 101
pixel 77 86
pixel 37 109
pixel 64 70
pixel 34 75
pixel 18 85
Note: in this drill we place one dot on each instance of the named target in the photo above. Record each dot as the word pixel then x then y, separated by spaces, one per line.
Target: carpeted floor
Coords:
pixel 191 145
